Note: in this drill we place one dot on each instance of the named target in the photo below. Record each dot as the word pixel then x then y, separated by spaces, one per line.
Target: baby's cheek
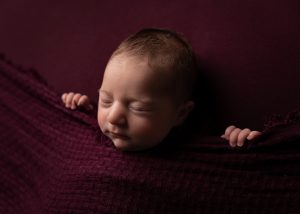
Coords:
pixel 136 125
pixel 147 130
pixel 143 128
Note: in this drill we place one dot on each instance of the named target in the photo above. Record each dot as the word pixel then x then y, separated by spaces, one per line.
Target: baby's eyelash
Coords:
pixel 140 109
pixel 105 101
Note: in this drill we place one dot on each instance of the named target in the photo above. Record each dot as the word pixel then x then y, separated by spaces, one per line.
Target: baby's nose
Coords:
pixel 117 115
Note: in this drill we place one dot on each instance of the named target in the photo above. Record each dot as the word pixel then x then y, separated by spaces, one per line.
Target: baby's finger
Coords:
pixel 228 131
pixel 233 137
pixel 75 100
pixel 83 101
pixel 253 135
pixel 69 99
pixel 242 137
pixel 63 97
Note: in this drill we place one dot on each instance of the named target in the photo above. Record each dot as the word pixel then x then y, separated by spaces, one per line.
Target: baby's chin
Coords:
pixel 129 146
pixel 126 146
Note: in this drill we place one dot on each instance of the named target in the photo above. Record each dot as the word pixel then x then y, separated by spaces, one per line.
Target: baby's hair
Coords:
pixel 168 51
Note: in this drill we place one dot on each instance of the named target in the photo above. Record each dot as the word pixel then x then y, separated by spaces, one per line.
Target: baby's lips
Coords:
pixel 118 135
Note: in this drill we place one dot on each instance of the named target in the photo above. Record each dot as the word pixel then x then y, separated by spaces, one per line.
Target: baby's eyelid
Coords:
pixel 105 100
pixel 100 91
pixel 140 108
pixel 104 96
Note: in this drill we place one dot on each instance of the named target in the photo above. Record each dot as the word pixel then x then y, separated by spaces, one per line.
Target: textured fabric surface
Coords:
pixel 53 160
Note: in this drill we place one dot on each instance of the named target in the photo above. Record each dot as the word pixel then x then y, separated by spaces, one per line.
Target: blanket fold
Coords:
pixel 55 160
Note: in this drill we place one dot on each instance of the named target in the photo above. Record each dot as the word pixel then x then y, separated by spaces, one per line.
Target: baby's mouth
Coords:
pixel 118 136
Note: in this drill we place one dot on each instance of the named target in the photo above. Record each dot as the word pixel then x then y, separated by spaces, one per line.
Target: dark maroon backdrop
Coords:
pixel 250 49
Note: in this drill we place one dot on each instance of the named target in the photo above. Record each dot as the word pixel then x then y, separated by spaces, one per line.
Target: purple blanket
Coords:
pixel 54 160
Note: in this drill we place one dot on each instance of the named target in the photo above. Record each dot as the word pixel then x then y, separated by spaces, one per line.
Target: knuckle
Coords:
pixel 229 130
pixel 83 97
pixel 246 130
pixel 236 131
pixel 78 94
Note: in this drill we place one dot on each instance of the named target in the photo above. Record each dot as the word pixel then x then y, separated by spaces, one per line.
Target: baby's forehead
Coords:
pixel 131 65
pixel 156 66
pixel 126 63
pixel 128 57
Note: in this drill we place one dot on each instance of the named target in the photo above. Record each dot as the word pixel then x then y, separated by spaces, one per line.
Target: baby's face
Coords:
pixel 133 110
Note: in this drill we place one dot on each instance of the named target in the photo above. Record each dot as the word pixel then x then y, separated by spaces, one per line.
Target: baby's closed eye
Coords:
pixel 140 108
pixel 105 101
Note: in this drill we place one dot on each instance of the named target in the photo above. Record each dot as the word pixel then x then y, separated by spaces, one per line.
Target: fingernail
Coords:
pixel 232 145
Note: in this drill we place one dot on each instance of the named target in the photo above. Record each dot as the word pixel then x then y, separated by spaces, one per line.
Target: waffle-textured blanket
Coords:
pixel 54 160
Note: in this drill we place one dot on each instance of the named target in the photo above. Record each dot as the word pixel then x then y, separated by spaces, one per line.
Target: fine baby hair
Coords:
pixel 169 54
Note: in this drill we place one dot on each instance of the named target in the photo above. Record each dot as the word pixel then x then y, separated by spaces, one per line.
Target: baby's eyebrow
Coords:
pixel 103 91
pixel 144 101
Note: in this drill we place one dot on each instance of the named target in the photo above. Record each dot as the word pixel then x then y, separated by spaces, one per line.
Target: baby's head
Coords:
pixel 146 89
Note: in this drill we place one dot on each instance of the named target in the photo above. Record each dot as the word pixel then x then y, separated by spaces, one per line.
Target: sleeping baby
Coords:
pixel 147 90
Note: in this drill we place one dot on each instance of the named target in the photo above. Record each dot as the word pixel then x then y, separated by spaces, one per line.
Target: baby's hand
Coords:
pixel 73 100
pixel 237 136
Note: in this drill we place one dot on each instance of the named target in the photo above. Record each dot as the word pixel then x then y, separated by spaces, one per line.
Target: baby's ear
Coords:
pixel 184 111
